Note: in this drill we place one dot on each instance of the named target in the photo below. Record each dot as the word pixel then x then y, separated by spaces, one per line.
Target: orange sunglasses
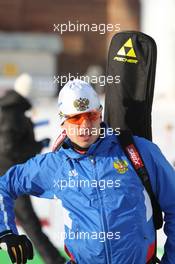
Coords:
pixel 78 119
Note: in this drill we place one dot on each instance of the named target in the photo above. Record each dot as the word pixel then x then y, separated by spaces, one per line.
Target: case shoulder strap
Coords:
pixel 126 140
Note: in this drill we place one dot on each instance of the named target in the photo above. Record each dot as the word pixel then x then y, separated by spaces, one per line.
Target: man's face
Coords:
pixel 83 129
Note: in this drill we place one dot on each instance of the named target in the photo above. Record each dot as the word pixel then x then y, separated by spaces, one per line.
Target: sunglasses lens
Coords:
pixel 94 116
pixel 75 120
pixel 78 119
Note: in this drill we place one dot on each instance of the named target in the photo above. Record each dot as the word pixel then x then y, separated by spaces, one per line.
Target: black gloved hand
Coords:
pixel 19 247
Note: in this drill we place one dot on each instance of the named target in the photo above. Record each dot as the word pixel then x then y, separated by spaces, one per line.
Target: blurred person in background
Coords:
pixel 17 145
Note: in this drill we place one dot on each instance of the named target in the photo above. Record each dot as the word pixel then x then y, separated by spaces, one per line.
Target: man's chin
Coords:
pixel 86 141
pixel 84 144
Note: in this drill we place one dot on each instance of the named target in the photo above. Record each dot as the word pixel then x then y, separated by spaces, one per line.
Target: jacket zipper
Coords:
pixel 103 217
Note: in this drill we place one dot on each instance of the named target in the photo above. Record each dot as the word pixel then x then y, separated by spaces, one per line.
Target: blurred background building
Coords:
pixel 29 27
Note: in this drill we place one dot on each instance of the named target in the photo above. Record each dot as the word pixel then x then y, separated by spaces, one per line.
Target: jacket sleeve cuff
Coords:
pixel 7 232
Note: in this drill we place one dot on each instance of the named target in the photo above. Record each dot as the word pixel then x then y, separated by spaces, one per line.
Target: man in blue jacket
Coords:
pixel 108 213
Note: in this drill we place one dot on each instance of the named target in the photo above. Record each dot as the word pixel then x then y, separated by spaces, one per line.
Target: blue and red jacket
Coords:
pixel 108 214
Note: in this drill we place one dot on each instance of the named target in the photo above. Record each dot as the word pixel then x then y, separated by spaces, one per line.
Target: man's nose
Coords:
pixel 85 122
